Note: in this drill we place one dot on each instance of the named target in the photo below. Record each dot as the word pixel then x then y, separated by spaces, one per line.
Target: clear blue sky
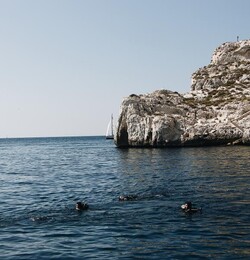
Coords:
pixel 66 65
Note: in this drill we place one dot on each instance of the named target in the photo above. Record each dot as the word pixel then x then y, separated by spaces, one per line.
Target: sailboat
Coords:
pixel 110 131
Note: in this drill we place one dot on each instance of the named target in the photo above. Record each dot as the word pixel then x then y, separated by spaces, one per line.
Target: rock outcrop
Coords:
pixel 215 112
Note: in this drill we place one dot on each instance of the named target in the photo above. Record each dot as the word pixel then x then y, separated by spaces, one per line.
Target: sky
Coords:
pixel 66 65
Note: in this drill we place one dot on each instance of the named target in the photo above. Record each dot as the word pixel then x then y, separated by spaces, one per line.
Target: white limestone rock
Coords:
pixel 216 111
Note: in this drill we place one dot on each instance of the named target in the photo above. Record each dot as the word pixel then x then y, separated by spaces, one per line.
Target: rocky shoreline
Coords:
pixel 215 112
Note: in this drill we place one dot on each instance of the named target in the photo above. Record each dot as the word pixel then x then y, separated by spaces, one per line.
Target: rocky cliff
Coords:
pixel 215 112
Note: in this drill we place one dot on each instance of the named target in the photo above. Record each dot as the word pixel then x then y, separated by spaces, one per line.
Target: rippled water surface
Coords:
pixel 41 179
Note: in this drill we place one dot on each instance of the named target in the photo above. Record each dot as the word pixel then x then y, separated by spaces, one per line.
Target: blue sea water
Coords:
pixel 41 179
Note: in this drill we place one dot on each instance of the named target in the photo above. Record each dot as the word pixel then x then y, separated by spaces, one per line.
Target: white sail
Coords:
pixel 110 132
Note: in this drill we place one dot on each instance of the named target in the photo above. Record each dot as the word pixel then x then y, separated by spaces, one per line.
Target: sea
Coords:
pixel 41 179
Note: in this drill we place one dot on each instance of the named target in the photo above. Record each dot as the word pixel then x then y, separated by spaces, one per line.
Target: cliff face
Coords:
pixel 216 111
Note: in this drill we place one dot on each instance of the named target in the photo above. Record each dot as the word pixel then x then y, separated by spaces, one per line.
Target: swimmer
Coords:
pixel 187 208
pixel 81 206
pixel 127 197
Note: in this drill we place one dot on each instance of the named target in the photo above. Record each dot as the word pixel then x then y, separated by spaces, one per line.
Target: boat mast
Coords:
pixel 112 134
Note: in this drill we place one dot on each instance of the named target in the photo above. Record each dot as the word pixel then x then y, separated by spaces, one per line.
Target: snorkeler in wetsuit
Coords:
pixel 188 208
pixel 81 206
pixel 127 197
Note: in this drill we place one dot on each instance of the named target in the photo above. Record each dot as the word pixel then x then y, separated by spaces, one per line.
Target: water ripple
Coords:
pixel 42 179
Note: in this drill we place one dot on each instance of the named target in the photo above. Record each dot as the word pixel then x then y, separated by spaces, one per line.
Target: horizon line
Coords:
pixel 59 136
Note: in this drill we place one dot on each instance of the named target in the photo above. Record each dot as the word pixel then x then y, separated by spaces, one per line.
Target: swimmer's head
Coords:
pixel 122 197
pixel 81 206
pixel 187 205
